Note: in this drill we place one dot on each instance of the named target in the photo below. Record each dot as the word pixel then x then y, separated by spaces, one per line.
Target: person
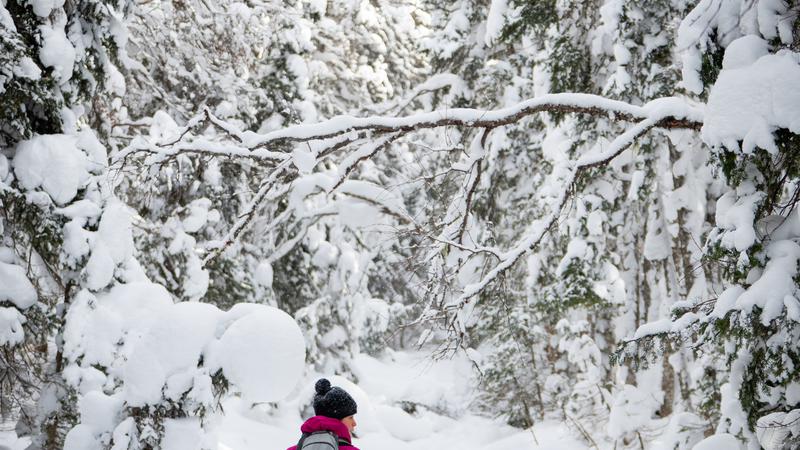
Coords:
pixel 334 411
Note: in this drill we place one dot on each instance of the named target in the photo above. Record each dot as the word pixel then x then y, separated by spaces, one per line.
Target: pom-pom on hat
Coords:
pixel 332 401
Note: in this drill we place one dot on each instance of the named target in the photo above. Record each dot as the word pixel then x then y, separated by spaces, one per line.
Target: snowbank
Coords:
pixel 719 442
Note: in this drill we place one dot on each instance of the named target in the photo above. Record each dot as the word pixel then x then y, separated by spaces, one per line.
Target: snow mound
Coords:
pixel 262 353
pixel 632 409
pixel 402 425
pixel 182 434
pixel 367 417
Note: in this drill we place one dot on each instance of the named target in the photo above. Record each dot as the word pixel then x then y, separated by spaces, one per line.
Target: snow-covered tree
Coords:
pixel 745 328
pixel 94 353
pixel 58 59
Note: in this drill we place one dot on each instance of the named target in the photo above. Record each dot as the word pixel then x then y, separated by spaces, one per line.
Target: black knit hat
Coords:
pixel 332 401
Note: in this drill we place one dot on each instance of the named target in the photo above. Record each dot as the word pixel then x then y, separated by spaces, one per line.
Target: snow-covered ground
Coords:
pixel 442 392
pixel 443 387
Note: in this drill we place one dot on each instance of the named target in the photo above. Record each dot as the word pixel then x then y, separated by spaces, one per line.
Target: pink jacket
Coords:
pixel 322 423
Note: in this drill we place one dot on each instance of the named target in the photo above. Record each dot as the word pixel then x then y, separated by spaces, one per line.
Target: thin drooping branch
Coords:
pixel 362 154
pixel 539 228
pixel 472 184
pixel 401 216
pixel 249 213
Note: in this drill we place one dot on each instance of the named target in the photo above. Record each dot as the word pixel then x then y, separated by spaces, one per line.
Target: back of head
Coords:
pixel 332 401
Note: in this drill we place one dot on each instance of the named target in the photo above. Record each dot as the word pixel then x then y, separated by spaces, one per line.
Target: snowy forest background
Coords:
pixel 588 209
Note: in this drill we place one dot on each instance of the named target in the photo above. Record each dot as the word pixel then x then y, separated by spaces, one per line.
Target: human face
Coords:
pixel 350 423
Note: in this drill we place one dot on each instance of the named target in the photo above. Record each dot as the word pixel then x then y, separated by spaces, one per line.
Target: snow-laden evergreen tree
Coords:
pixel 58 59
pixel 95 355
pixel 734 58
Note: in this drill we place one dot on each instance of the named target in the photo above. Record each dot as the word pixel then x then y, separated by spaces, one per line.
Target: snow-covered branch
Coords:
pixel 250 211
pixel 350 141
pixel 680 115
pixel 674 113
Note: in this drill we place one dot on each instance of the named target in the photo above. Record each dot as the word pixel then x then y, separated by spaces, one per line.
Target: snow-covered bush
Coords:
pixel 143 364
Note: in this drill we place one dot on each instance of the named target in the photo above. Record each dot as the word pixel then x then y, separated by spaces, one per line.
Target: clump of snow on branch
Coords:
pixel 60 164
pixel 756 93
pixel 15 286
